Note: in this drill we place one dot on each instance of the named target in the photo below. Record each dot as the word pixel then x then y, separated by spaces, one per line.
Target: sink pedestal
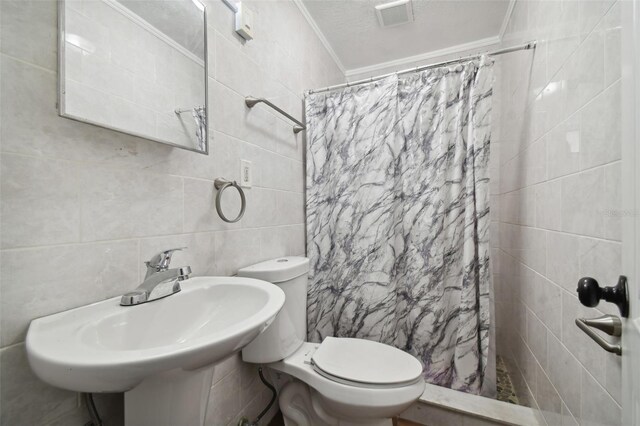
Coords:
pixel 176 397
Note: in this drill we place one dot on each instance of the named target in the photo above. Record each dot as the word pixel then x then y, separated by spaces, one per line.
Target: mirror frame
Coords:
pixel 61 84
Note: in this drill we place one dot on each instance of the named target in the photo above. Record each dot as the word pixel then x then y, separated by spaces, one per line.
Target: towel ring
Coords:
pixel 222 184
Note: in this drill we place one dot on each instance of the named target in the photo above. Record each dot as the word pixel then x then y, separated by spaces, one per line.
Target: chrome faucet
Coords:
pixel 159 282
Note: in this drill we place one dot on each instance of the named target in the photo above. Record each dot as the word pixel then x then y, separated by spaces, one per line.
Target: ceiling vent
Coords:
pixel 394 13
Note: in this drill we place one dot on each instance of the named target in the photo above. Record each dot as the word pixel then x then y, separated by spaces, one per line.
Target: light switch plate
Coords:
pixel 245 174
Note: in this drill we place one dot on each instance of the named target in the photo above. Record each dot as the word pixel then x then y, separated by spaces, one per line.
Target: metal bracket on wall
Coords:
pixel 221 184
pixel 607 323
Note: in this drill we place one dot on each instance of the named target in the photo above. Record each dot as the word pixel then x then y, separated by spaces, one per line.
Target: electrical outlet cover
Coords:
pixel 245 174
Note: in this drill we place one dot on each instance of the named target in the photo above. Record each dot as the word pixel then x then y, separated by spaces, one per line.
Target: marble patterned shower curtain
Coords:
pixel 398 217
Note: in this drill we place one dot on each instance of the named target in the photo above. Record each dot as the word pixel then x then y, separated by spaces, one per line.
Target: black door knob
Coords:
pixel 590 294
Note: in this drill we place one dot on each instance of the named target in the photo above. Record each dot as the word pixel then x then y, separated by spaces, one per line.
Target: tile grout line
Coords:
pixel 146 237
pixel 560 339
pixel 555 179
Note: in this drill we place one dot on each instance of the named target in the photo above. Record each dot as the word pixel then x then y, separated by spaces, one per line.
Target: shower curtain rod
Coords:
pixel 526 46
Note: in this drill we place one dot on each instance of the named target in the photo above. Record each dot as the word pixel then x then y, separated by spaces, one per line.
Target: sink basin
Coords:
pixel 105 347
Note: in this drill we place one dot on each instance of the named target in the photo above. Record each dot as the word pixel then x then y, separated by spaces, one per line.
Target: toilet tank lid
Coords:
pixel 277 270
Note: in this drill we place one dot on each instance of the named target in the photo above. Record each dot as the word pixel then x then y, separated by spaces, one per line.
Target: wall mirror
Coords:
pixel 136 66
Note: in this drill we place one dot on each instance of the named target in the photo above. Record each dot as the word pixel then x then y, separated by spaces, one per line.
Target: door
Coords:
pixel 631 208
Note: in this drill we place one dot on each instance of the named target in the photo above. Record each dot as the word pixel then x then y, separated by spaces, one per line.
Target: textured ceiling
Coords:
pixel 352 29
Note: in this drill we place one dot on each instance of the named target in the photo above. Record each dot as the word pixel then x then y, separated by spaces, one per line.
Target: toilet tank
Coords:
pixel 289 329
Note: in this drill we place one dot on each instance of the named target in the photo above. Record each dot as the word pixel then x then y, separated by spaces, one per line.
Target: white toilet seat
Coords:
pixel 365 363
pixel 373 401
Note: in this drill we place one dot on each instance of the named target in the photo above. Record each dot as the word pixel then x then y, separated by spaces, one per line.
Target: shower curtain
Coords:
pixel 398 218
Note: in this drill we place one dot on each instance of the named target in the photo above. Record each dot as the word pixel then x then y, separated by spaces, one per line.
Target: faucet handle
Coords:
pixel 161 261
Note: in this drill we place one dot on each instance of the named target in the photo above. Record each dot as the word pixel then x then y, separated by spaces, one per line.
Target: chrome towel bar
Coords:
pixel 607 323
pixel 250 101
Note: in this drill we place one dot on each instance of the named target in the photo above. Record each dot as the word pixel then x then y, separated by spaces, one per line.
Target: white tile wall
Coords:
pixel 558 178
pixel 555 162
pixel 83 207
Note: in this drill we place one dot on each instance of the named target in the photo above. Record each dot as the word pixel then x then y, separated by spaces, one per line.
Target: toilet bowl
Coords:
pixel 341 381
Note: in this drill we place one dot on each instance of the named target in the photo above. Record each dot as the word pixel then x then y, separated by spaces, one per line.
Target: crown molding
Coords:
pixel 507 18
pixel 319 33
pixel 478 44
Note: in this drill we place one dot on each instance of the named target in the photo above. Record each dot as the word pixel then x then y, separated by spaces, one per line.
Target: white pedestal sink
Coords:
pixel 161 354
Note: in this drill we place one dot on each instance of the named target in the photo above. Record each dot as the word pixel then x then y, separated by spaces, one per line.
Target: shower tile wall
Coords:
pixel 83 207
pixel 559 204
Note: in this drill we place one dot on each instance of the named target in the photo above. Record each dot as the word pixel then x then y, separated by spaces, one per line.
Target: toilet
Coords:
pixel 341 381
